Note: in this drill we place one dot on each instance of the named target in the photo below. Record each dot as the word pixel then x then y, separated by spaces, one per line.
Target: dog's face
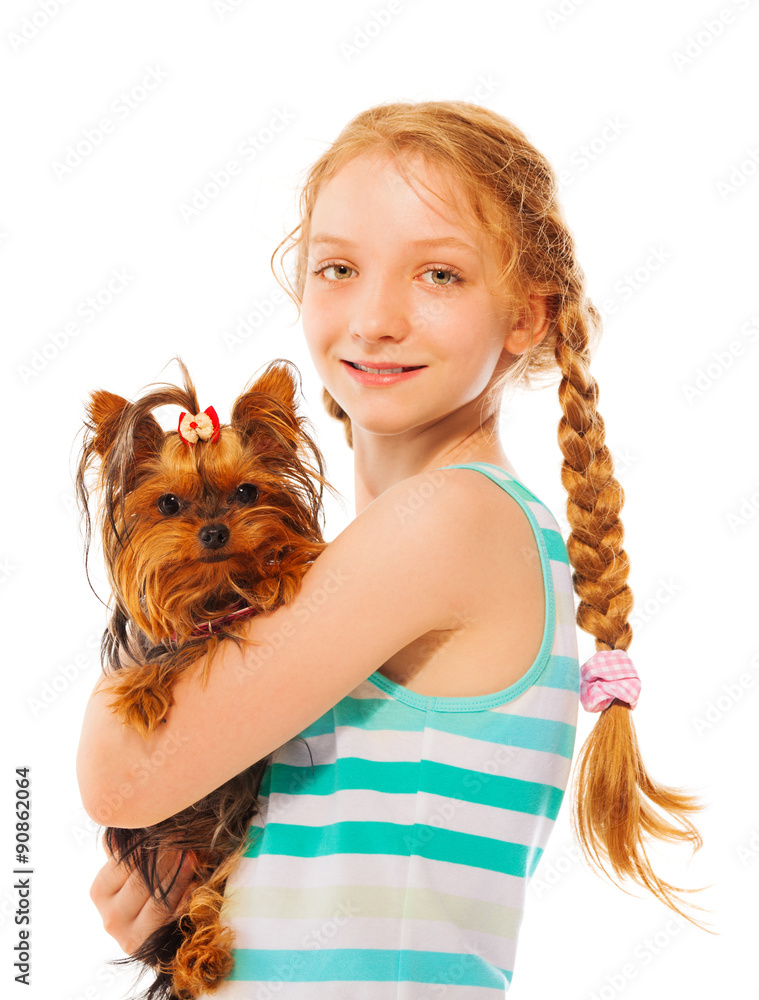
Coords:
pixel 191 529
pixel 204 524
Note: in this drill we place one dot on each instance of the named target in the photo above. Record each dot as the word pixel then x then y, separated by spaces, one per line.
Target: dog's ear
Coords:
pixel 105 411
pixel 265 414
pixel 108 413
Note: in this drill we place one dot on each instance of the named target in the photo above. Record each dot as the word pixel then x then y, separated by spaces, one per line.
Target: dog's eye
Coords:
pixel 247 493
pixel 169 505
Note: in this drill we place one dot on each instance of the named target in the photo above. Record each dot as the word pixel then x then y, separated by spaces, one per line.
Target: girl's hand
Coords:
pixel 129 913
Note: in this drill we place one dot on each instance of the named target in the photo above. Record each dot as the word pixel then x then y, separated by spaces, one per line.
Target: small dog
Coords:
pixel 201 527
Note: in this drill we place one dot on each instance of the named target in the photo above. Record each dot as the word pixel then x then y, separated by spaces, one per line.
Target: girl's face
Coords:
pixel 394 280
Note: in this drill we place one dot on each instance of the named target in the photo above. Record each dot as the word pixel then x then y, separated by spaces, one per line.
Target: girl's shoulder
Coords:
pixel 477 522
pixel 481 529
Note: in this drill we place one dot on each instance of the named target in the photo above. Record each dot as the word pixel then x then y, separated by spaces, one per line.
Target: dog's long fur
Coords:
pixel 164 586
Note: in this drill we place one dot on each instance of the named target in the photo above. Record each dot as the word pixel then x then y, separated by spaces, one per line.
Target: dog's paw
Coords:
pixel 140 706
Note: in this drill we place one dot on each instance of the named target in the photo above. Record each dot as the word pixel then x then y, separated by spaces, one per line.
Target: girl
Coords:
pixel 430 658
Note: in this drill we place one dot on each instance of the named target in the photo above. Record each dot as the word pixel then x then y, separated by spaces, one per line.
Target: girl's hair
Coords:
pixel 510 192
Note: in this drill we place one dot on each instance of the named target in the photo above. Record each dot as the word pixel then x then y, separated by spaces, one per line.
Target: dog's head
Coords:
pixel 198 519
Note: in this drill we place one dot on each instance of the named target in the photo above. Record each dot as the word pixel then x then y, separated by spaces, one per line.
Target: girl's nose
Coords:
pixel 381 309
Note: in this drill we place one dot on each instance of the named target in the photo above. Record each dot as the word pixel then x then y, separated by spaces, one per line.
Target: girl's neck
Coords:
pixel 381 461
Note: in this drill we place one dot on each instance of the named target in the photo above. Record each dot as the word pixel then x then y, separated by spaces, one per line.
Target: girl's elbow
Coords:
pixel 113 804
pixel 115 809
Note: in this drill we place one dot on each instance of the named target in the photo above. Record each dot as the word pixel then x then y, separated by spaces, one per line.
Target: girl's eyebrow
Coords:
pixel 445 242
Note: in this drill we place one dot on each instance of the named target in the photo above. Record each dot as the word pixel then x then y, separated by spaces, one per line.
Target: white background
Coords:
pixel 676 174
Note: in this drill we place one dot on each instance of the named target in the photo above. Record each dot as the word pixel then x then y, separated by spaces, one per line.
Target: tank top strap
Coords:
pixel 498 474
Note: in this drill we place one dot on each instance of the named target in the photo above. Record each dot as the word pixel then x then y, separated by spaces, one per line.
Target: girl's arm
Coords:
pixel 407 564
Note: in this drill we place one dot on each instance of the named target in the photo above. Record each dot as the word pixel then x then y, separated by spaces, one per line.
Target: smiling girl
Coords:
pixel 430 657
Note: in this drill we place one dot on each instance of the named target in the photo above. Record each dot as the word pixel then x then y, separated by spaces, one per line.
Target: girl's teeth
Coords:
pixel 380 371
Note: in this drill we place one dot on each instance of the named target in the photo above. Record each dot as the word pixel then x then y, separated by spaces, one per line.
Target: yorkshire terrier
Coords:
pixel 202 527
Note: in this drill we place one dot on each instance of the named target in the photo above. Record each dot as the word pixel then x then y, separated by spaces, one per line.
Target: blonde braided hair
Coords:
pixel 510 191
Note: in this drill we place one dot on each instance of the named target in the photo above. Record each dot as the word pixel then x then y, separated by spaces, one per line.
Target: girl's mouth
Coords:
pixel 383 371
pixel 380 376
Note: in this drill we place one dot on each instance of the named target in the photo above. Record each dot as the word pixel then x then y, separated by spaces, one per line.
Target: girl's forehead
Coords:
pixel 384 173
pixel 414 196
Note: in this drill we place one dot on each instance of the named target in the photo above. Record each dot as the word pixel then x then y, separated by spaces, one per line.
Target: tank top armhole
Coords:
pixel 550 547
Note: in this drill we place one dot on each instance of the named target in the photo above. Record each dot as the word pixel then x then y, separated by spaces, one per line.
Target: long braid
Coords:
pixel 595 498
pixel 613 793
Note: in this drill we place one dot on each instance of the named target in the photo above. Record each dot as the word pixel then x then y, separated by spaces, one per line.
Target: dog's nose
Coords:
pixel 213 536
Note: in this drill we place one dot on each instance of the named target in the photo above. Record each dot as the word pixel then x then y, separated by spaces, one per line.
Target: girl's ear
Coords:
pixel 265 414
pixel 530 325
pixel 107 413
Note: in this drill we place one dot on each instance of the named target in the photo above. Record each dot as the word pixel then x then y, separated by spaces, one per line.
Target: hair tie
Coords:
pixel 607 675
pixel 203 425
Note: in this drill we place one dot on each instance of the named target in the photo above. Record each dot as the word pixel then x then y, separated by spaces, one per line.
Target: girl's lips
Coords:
pixel 371 378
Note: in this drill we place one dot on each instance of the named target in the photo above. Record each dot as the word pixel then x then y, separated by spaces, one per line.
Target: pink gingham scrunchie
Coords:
pixel 607 675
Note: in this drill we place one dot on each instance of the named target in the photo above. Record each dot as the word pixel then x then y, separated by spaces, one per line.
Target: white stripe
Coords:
pixel 350 931
pixel 544 517
pixel 502 759
pixel 482 756
pixel 504 825
pixel 390 745
pixel 381 870
pixel 537 702
pixel 565 639
pixel 362 806
pixel 564 604
pixel 368 690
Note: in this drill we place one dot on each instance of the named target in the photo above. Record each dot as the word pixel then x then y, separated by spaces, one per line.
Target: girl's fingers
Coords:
pixel 122 901
pixel 184 878
pixel 128 911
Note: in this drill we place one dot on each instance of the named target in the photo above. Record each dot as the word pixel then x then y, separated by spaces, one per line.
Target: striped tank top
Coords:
pixel 391 862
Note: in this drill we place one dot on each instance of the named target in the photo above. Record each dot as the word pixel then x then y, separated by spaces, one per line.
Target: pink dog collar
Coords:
pixel 607 675
pixel 216 624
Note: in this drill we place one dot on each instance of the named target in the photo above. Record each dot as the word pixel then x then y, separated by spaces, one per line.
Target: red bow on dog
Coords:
pixel 203 425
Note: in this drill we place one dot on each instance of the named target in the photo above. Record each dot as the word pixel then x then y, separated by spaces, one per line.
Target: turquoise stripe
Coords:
pixel 406 777
pixel 490 789
pixel 557 550
pixel 432 842
pixel 349 837
pixel 366 965
pixel 493 727
pixel 367 713
pixel 515 730
pixel 349 772
pixel 378 713
pixel 563 672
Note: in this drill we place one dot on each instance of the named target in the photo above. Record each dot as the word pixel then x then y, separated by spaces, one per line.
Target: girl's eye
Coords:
pixel 247 493
pixel 441 276
pixel 169 505
pixel 333 267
